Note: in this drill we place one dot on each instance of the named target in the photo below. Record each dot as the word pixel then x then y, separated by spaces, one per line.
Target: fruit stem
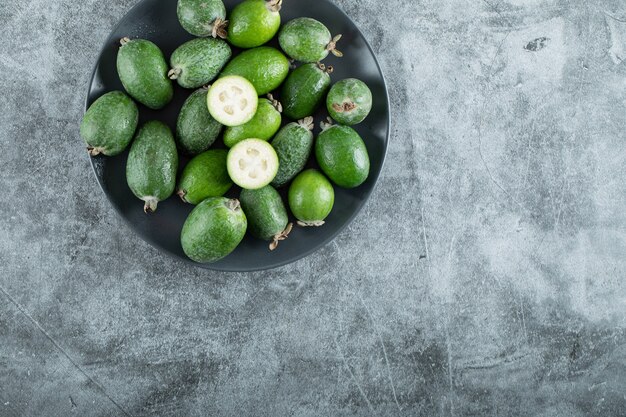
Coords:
pixel 316 223
pixel 93 151
pixel 174 73
pixel 220 27
pixel 274 5
pixel 327 69
pixel 124 40
pixel 325 125
pixel 151 205
pixel 332 46
pixel 233 204
pixel 182 194
pixel 307 123
pixel 279 237
pixel 277 105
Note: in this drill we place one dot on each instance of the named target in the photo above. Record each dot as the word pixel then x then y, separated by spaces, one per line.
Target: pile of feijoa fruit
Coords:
pixel 269 142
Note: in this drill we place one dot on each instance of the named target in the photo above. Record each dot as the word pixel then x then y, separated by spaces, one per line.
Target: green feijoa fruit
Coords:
pixel 143 71
pixel 311 198
pixel 198 62
pixel 304 90
pixel 307 40
pixel 203 17
pixel 349 101
pixel 265 67
pixel 109 124
pixel 293 145
pixel 342 155
pixel 205 176
pixel 152 164
pixel 196 129
pixel 254 22
pixel 263 125
pixel 266 214
pixel 213 229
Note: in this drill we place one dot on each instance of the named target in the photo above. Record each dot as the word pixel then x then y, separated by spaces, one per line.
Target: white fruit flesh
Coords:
pixel 252 164
pixel 232 100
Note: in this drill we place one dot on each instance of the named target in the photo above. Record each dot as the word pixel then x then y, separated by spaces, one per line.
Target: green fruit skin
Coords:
pixel 293 145
pixel 196 129
pixel 252 24
pixel 197 16
pixel 143 71
pixel 263 125
pixel 349 92
pixel 205 176
pixel 110 123
pixel 311 196
pixel 152 162
pixel 265 211
pixel 305 39
pixel 342 155
pixel 213 230
pixel 200 61
pixel 265 67
pixel 304 91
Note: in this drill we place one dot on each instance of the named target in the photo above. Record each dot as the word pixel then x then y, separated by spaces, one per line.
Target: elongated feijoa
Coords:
pixel 349 101
pixel 305 89
pixel 204 176
pixel 202 17
pixel 213 230
pixel 293 145
pixel 264 124
pixel 254 22
pixel 152 164
pixel 252 164
pixel 307 40
pixel 143 71
pixel 265 67
pixel 109 124
pixel 232 100
pixel 198 62
pixel 342 155
pixel 311 198
pixel 196 129
pixel 266 214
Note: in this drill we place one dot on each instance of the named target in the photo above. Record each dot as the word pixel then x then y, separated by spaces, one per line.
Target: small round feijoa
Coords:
pixel 232 100
pixel 252 164
pixel 202 17
pixel 342 155
pixel 265 67
pixel 307 40
pixel 349 101
pixel 254 22
pixel 311 198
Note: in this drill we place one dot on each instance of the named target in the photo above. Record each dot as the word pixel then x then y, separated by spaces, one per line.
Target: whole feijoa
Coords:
pixel 266 214
pixel 252 23
pixel 142 69
pixel 198 62
pixel 202 17
pixel 342 155
pixel 293 145
pixel 311 198
pixel 109 124
pixel 196 129
pixel 349 101
pixel 307 40
pixel 265 67
pixel 304 90
pixel 264 124
pixel 213 229
pixel 152 164
pixel 205 176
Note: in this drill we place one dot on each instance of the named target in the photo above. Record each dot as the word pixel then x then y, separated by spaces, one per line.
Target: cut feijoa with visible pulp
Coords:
pixel 198 62
pixel 232 100
pixel 349 101
pixel 152 164
pixel 196 129
pixel 213 230
pixel 205 176
pixel 254 22
pixel 293 145
pixel 252 164
pixel 311 198
pixel 266 214
pixel 264 124
pixel 109 124
pixel 202 17
pixel 307 40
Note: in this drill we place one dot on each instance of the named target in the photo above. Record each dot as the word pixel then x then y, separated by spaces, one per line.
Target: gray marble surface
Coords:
pixel 486 276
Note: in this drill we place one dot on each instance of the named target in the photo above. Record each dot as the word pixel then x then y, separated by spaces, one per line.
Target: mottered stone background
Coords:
pixel 486 276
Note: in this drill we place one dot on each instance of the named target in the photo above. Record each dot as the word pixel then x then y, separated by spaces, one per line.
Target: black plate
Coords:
pixel 156 20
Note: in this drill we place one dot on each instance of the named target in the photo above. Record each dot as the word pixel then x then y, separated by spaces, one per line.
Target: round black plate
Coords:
pixel 156 20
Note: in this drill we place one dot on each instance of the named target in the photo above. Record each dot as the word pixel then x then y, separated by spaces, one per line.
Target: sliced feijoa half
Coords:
pixel 232 100
pixel 252 164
